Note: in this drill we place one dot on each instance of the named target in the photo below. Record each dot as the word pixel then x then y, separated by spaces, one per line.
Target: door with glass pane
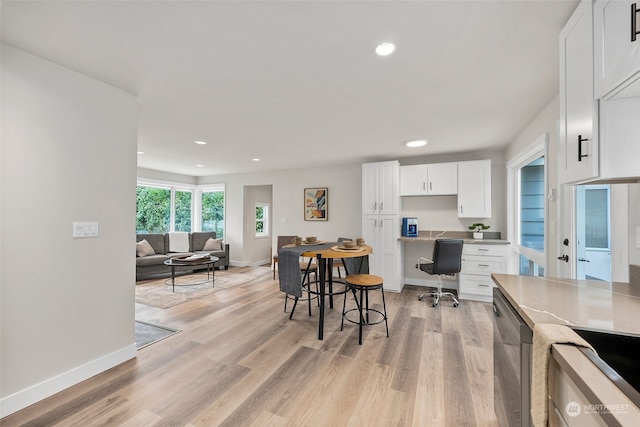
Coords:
pixel 593 232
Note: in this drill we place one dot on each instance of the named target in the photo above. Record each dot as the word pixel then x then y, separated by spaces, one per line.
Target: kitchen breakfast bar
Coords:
pixel 601 388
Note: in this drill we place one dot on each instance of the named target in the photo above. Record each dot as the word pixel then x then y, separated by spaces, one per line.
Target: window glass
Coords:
pixel 213 212
pixel 530 268
pixel 153 206
pixel 597 218
pixel 532 205
pixel 183 210
pixel 262 216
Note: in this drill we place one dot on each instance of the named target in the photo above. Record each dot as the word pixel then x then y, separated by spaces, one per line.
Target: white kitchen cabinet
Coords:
pixel 578 145
pixel 479 261
pixel 429 180
pixel 616 54
pixel 381 188
pixel 474 189
pixel 381 220
pixel 620 136
pixel 381 232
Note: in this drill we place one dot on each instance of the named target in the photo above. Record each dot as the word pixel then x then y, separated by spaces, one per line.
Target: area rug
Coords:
pixel 149 333
pixel 159 293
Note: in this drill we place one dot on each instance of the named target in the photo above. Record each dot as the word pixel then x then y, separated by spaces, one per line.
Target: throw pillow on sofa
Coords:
pixel 213 244
pixel 143 248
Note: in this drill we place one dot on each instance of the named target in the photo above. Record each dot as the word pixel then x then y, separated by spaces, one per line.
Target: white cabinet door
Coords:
pixel 578 143
pixel 620 138
pixel 380 188
pixel 442 179
pixel 388 254
pixel 413 180
pixel 389 186
pixel 474 189
pixel 617 56
pixel 370 179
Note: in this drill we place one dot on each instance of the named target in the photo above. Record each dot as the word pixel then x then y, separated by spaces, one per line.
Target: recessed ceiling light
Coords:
pixel 200 166
pixel 140 152
pixel 200 142
pixel 255 159
pixel 416 143
pixel 385 49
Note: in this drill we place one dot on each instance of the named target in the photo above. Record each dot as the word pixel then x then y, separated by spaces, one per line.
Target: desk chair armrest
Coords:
pixel 427 261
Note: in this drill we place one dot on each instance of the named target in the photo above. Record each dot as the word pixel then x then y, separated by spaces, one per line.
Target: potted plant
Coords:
pixel 478 229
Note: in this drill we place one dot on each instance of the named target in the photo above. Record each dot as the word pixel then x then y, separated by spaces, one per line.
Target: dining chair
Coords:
pixel 446 259
pixel 282 240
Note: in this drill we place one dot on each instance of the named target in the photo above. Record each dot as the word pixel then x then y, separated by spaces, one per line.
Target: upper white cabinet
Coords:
pixel 381 188
pixel 616 49
pixel 429 180
pixel 578 143
pixel 474 189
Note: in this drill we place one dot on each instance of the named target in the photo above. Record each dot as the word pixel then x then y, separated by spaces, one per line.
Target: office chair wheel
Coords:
pixel 455 304
pixel 420 298
pixel 434 304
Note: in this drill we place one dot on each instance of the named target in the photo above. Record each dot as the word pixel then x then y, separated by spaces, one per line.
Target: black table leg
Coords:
pixel 322 266
pixel 173 278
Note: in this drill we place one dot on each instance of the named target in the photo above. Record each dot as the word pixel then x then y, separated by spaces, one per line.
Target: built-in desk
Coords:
pixel 480 258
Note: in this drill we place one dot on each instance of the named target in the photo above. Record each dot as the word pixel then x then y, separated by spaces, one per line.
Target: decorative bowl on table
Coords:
pixel 311 239
pixel 348 244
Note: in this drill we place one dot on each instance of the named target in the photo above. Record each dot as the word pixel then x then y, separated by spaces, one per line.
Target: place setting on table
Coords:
pixel 354 256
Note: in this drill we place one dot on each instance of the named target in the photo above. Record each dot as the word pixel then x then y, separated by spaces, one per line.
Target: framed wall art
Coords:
pixel 316 207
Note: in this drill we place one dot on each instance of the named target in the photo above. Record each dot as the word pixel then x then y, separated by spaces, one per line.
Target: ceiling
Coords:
pixel 297 83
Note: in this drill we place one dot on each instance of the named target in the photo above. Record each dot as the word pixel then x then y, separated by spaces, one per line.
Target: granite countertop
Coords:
pixel 491 238
pixel 590 304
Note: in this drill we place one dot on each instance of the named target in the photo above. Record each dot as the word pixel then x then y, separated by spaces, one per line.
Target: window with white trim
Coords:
pixel 262 219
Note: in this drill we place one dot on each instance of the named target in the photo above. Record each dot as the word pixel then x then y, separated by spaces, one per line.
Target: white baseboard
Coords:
pixel 38 392
pixel 250 264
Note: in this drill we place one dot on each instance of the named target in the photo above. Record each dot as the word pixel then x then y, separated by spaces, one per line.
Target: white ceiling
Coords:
pixel 297 83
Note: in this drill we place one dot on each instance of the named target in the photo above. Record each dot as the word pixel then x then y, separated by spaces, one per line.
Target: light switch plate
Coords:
pixel 86 229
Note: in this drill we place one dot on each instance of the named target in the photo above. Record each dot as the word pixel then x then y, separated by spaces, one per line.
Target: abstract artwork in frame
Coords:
pixel 316 207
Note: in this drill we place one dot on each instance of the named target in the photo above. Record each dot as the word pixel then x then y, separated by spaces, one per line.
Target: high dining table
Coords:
pixel 325 253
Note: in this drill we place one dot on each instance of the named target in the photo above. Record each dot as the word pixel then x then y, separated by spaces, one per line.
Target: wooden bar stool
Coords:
pixel 364 283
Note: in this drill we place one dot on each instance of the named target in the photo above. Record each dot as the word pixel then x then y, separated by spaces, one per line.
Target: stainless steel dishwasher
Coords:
pixel 512 342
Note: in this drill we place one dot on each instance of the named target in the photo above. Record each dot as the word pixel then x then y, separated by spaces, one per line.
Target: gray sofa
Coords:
pixel 152 265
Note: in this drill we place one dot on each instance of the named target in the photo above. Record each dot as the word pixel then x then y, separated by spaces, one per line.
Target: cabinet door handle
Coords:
pixel 381 223
pixel 580 141
pixel 484 285
pixel 483 265
pixel 461 210
pixel 430 185
pixel 381 206
pixel 483 250
pixel 424 186
pixel 634 31
pixel 375 206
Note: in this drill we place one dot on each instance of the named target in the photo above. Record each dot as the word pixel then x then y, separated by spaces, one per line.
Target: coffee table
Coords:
pixel 209 262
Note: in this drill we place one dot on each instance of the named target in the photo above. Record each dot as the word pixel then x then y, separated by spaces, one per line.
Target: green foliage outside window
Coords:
pixel 259 220
pixel 153 210
pixel 183 211
pixel 213 212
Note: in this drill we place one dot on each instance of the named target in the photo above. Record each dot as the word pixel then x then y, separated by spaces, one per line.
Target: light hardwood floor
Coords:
pixel 240 361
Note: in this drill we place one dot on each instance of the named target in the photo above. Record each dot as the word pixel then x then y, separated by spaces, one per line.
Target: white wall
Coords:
pixel 68 154
pixel 634 222
pixel 344 195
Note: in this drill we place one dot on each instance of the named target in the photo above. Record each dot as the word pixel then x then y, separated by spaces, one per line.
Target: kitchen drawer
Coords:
pixel 486 250
pixel 483 265
pixel 476 284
